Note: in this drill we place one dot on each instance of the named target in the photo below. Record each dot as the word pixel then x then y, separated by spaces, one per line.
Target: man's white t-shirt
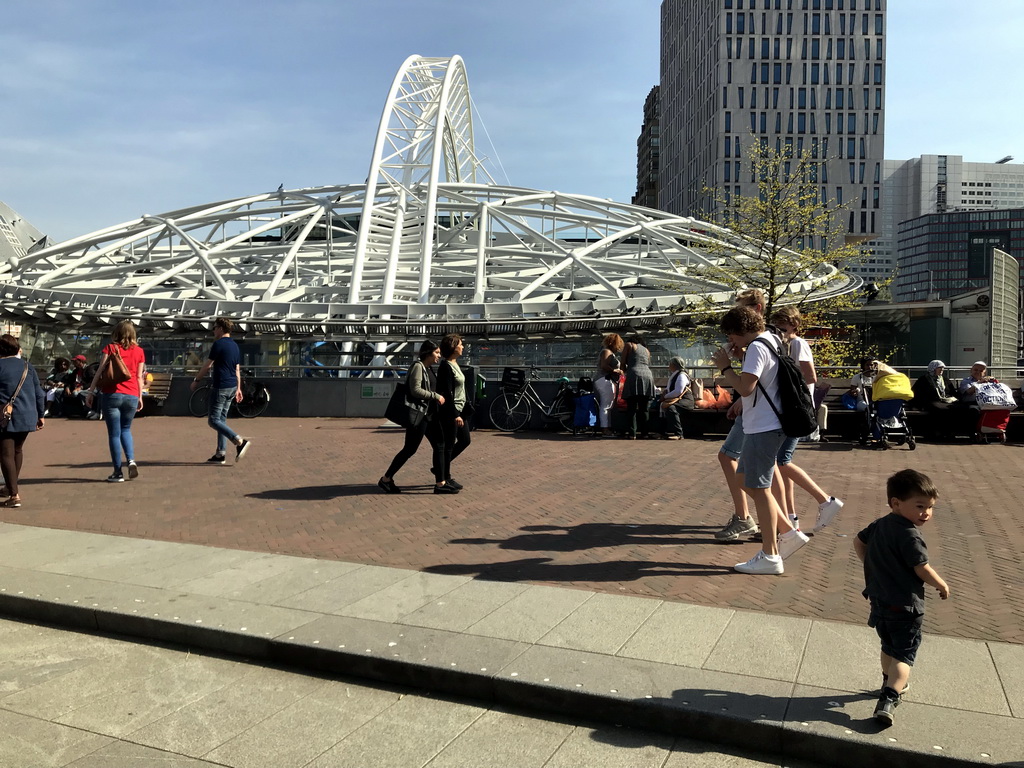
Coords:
pixel 758 415
pixel 800 351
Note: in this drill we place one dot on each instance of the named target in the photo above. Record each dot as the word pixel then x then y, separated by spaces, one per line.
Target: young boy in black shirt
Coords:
pixel 896 569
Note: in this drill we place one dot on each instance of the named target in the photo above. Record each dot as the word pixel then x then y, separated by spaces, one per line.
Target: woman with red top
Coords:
pixel 121 402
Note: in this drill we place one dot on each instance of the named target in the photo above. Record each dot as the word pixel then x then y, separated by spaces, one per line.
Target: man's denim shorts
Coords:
pixel 757 462
pixel 733 445
pixel 786 451
pixel 898 629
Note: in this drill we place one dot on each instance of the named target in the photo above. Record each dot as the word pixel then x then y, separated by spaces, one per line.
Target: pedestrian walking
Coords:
pixel 119 402
pixel 455 412
pixel 896 569
pixel 787 321
pixel 762 431
pixel 23 402
pixel 223 363
pixel 422 386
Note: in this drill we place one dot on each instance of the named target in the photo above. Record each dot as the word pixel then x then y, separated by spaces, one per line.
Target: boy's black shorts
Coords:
pixel 898 629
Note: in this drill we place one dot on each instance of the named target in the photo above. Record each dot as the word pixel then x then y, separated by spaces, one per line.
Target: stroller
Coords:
pixel 890 426
pixel 889 422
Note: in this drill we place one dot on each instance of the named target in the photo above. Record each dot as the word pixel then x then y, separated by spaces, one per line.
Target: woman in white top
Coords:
pixel 677 398
pixel 787 320
pixel 606 377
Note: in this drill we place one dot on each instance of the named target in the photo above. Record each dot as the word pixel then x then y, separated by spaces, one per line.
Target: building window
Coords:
pixel 878 74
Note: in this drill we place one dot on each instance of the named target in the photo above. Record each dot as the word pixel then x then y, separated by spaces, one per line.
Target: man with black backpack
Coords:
pixel 758 384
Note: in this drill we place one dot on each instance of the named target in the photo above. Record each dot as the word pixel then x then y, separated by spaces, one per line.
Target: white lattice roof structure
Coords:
pixel 430 244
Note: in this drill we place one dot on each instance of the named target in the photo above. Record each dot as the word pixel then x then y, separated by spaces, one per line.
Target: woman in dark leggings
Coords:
pixel 456 411
pixel 423 387
pixel 29 402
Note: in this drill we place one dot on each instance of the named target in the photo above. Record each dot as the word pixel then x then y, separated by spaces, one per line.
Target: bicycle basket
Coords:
pixel 513 378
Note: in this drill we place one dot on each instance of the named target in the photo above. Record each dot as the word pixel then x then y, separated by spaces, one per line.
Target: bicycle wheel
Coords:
pixel 254 404
pixel 510 411
pixel 562 411
pixel 199 402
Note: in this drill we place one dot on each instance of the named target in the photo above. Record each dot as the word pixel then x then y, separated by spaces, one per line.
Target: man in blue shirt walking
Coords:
pixel 226 383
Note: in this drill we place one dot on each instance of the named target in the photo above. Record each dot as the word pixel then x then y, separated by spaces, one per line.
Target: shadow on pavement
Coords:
pixel 551 538
pixel 542 569
pixel 315 492
pixel 106 464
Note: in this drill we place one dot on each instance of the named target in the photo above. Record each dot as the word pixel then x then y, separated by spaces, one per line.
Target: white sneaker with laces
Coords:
pixel 791 541
pixel 827 512
pixel 761 564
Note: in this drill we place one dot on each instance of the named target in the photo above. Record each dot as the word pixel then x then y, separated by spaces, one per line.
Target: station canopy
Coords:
pixel 429 245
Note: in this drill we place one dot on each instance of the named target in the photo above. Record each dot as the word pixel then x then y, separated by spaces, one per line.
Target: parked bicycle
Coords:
pixel 511 410
pixel 255 399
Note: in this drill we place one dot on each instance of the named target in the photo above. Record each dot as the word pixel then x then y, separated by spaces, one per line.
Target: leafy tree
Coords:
pixel 791 233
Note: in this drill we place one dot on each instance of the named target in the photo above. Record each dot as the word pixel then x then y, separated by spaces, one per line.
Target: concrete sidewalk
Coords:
pixel 793 686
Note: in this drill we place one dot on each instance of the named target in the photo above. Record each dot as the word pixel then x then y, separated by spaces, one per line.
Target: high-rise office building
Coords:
pixel 935 184
pixel 648 152
pixel 805 74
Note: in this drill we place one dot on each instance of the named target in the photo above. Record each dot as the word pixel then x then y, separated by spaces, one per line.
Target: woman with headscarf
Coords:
pixel 935 395
pixel 678 397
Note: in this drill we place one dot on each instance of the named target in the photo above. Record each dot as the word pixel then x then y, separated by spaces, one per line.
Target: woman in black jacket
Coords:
pixel 422 384
pixel 26 417
pixel 456 411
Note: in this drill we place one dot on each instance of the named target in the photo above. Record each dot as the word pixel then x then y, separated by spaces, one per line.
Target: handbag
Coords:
pixel 404 410
pixel 8 410
pixel 114 371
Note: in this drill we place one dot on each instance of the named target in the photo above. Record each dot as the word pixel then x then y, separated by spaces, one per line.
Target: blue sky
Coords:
pixel 112 109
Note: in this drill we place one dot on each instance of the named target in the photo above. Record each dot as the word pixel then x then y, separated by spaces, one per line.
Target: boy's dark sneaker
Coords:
pixel 240 450
pixel 885 683
pixel 388 486
pixel 445 489
pixel 885 709
pixel 454 484
pixel 217 458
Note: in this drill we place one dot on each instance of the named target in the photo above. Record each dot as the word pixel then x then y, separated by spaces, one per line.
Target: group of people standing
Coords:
pixel 623 372
pixel 448 414
pixel 119 401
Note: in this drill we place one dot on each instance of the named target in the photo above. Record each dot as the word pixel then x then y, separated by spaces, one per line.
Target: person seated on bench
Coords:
pixel 935 395
pixel 860 395
pixel 678 397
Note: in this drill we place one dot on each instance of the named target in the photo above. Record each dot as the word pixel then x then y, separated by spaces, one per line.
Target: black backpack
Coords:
pixel 797 417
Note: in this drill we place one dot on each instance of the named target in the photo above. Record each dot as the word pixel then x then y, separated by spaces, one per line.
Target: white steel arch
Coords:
pixel 428 245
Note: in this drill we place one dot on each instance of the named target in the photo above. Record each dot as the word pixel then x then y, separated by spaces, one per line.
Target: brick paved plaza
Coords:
pixel 621 517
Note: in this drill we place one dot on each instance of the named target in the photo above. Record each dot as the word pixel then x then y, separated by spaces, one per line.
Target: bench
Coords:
pixel 156 393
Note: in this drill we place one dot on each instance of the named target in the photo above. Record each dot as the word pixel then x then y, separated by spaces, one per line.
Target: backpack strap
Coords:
pixel 778 359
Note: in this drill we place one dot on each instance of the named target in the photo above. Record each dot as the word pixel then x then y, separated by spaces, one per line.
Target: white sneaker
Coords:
pixel 790 542
pixel 827 512
pixel 761 564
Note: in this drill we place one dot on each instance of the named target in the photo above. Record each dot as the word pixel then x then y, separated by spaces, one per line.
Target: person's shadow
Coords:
pixel 314 492
pixel 551 538
pixel 544 569
pixel 730 719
